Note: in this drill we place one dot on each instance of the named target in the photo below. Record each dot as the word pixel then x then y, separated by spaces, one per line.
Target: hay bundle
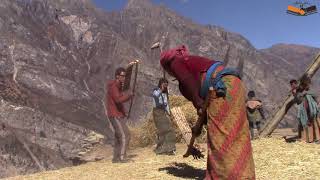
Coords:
pixel 144 134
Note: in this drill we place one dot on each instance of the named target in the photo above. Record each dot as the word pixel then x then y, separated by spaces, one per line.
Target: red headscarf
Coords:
pixel 167 56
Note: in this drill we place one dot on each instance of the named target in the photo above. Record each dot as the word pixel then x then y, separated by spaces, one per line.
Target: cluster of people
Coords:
pixel 307 105
pixel 308 110
pixel 115 99
pixel 230 116
pixel 229 145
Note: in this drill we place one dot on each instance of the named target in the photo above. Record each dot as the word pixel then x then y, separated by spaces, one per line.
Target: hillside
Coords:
pixel 56 56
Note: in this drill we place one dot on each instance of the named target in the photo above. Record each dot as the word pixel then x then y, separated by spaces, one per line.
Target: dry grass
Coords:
pixel 274 159
pixel 144 134
pixel 146 166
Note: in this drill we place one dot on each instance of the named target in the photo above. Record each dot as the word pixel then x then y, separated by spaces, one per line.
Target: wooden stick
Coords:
pixel 196 130
pixel 134 87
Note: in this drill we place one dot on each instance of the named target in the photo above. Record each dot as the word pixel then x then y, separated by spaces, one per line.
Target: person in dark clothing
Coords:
pixel 308 112
pixel 116 113
pixel 161 111
pixel 254 112
pixel 294 87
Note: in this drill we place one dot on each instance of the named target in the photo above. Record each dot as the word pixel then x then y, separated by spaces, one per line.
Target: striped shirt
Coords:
pixel 160 100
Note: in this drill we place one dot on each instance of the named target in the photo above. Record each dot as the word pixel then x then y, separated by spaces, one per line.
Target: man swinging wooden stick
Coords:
pixel 115 97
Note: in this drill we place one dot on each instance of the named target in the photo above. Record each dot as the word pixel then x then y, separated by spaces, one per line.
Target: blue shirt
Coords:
pixel 160 100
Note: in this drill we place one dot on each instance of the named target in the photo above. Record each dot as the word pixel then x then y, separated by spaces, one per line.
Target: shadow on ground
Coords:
pixel 131 156
pixel 184 170
pixel 291 139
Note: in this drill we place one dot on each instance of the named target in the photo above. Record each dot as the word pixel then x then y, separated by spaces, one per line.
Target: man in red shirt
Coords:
pixel 116 113
pixel 229 146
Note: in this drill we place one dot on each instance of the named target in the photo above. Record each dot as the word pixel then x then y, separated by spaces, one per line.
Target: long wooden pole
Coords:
pixel 134 86
pixel 272 123
pixel 196 130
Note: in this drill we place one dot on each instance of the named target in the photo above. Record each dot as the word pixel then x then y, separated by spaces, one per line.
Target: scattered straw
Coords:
pixel 274 159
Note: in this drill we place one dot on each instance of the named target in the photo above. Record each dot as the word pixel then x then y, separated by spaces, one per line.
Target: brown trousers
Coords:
pixel 165 132
pixel 311 133
pixel 122 138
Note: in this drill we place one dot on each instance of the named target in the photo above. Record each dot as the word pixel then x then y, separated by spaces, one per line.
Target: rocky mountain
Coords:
pixel 55 57
pixel 298 55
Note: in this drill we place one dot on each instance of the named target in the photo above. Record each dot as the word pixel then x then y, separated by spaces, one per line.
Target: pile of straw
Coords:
pixel 144 134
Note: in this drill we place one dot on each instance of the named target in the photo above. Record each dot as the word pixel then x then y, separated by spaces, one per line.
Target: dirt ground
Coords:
pixel 274 159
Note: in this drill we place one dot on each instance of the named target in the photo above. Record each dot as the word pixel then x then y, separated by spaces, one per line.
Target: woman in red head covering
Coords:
pixel 229 146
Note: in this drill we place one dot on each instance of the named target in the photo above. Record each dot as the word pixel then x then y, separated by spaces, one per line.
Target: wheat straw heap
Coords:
pixel 144 134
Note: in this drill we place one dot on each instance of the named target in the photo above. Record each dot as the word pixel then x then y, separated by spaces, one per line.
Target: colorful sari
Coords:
pixel 229 146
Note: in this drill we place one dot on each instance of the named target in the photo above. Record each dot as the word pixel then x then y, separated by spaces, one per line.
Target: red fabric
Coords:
pixel 170 54
pixel 115 99
pixel 186 68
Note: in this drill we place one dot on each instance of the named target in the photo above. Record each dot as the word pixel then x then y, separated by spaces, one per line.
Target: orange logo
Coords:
pixel 301 10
